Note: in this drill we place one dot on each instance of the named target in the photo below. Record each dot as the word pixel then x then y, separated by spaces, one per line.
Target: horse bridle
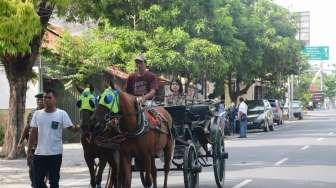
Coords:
pixel 142 124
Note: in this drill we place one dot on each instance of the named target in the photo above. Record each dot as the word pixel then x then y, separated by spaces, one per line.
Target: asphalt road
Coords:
pixel 298 154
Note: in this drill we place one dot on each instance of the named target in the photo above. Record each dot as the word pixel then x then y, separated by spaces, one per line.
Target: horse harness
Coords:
pixel 143 124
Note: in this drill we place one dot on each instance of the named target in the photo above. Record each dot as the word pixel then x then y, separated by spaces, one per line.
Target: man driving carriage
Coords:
pixel 143 83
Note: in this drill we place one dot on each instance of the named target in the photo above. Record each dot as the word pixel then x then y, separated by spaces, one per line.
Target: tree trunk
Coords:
pixel 235 90
pixel 15 124
pixel 232 90
pixel 18 70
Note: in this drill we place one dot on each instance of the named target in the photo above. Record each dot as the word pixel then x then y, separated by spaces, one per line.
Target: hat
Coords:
pixel 141 58
pixel 39 96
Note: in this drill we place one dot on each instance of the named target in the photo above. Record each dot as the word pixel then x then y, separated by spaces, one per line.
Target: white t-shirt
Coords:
pixel 50 129
pixel 243 108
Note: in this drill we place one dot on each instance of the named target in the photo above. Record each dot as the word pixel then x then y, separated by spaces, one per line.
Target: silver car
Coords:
pixel 259 115
pixel 297 109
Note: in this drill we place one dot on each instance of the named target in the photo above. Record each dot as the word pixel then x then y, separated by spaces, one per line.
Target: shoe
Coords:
pixel 242 137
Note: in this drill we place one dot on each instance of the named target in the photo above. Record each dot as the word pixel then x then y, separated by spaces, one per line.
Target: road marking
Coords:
pixel 331 133
pixel 320 139
pixel 305 147
pixel 281 161
pixel 243 183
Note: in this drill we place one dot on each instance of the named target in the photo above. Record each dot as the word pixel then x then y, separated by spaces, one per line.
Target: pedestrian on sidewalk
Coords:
pixel 47 129
pixel 233 111
pixel 27 129
pixel 242 116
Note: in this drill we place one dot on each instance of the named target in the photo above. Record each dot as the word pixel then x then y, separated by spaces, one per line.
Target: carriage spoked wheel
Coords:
pixel 191 167
pixel 142 177
pixel 219 157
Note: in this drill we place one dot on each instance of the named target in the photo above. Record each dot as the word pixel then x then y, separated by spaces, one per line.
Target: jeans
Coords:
pixel 31 171
pixel 46 164
pixel 233 125
pixel 243 128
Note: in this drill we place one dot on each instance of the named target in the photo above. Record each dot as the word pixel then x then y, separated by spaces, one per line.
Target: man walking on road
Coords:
pixel 242 116
pixel 47 126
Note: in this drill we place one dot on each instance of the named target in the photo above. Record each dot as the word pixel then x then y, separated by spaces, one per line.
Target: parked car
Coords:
pixel 277 111
pixel 297 109
pixel 259 115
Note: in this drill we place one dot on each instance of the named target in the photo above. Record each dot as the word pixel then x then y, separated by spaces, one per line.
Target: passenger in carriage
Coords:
pixel 143 83
pixel 176 97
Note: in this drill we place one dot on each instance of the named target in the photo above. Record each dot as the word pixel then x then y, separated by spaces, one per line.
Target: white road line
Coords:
pixel 305 147
pixel 281 161
pixel 331 133
pixel 243 183
pixel 320 139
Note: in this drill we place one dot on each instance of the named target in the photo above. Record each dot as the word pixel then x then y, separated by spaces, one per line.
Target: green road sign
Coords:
pixel 317 52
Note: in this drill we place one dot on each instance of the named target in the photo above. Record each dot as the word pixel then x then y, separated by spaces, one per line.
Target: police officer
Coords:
pixel 27 129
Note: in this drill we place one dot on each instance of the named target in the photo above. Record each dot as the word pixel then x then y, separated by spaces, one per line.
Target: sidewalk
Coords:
pixel 74 173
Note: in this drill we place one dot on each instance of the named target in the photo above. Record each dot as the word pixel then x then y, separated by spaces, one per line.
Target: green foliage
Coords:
pixel 205 56
pixel 166 50
pixel 301 88
pixel 330 85
pixel 305 98
pixel 228 40
pixel 15 34
pixel 76 58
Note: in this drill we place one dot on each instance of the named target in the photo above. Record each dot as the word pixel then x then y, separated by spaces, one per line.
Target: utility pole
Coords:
pixel 40 75
pixel 321 83
pixel 290 96
pixel 321 72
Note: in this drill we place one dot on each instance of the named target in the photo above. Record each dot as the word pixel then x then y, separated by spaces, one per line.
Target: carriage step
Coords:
pixel 224 155
pixel 197 169
pixel 159 169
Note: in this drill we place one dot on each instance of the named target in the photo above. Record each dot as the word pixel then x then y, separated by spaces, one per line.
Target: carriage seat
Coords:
pixel 198 112
pixel 178 114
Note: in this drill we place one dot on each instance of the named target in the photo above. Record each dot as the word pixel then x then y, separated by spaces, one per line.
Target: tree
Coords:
pixel 19 48
pixel 256 38
pixel 266 33
pixel 22 27
pixel 330 87
pixel 301 88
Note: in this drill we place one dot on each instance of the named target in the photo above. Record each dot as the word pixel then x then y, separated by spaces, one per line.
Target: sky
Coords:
pixel 322 24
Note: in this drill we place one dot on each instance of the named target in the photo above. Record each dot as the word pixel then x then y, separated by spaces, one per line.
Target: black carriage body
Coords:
pixel 195 127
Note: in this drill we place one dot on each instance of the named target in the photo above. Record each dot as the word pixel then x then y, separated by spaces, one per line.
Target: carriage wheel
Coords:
pixel 142 177
pixel 219 157
pixel 191 167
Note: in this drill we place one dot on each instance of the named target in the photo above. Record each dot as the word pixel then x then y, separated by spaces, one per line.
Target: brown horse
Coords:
pixel 90 138
pixel 91 151
pixel 143 142
pixel 104 135
pixel 86 104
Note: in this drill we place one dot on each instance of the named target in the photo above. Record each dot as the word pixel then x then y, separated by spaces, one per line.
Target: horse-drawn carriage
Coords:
pixel 199 142
pixel 194 132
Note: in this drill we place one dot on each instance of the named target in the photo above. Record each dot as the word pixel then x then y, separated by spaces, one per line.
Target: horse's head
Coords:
pixel 86 105
pixel 107 111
